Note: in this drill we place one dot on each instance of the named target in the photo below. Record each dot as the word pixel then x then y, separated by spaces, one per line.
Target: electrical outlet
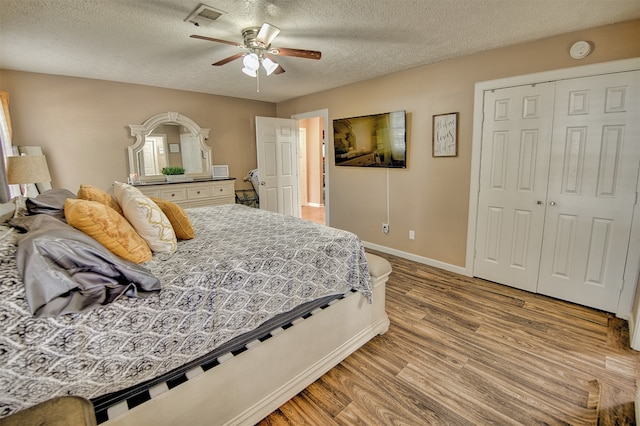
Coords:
pixel 385 228
pixel 412 235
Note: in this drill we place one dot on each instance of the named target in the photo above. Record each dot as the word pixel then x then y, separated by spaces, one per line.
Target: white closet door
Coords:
pixel 513 184
pixel 592 189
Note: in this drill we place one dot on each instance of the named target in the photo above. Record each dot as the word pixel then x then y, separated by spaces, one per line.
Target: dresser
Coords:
pixel 206 192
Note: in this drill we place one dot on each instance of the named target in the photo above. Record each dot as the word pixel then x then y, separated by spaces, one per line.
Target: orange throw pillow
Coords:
pixel 91 193
pixel 108 227
pixel 178 218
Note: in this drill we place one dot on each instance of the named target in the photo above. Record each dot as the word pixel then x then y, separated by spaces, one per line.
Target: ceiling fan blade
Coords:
pixel 229 59
pixel 217 40
pixel 267 33
pixel 298 53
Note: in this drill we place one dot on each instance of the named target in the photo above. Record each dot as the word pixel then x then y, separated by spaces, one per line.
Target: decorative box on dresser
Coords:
pixel 201 192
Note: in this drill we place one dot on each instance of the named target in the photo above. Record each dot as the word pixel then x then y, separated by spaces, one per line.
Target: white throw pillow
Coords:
pixel 146 218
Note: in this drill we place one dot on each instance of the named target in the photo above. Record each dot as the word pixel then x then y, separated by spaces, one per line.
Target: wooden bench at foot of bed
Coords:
pixel 246 388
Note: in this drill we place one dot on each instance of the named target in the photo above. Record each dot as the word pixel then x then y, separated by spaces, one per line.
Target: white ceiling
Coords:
pixel 147 41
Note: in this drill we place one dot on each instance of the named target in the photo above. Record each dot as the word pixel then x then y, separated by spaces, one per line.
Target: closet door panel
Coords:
pixel 513 184
pixel 592 189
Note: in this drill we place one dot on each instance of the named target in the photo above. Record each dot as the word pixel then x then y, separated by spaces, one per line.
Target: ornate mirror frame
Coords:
pixel 142 130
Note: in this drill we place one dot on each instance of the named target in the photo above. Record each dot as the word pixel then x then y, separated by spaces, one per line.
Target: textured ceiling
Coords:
pixel 147 41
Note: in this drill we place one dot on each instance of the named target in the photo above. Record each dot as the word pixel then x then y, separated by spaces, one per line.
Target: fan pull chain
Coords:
pixel 258 81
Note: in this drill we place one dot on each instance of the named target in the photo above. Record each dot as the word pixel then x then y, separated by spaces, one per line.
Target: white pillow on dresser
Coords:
pixel 146 218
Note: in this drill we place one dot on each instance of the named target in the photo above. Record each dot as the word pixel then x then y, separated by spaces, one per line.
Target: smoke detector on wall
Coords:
pixel 203 15
pixel 580 49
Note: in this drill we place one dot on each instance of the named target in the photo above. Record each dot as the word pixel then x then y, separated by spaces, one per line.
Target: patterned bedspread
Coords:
pixel 244 267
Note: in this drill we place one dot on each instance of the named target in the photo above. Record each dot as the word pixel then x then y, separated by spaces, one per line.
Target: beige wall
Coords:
pixel 314 159
pixel 82 124
pixel 431 196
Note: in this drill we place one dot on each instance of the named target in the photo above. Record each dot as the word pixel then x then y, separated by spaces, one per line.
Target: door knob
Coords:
pixel 539 202
pixel 552 203
pixel 263 182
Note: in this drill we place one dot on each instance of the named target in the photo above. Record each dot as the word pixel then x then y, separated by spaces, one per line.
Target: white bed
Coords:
pixel 258 273
pixel 248 387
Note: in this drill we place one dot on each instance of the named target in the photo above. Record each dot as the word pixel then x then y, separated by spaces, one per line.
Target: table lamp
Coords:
pixel 25 169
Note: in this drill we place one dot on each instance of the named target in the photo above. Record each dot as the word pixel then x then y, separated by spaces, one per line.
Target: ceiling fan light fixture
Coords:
pixel 269 66
pixel 251 61
pixel 250 72
pixel 257 50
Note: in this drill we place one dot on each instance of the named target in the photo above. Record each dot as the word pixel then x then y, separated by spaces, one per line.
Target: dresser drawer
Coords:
pixel 177 194
pixel 198 192
pixel 223 189
pixel 150 192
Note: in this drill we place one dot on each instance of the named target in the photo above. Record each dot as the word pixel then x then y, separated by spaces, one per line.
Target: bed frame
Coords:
pixel 245 388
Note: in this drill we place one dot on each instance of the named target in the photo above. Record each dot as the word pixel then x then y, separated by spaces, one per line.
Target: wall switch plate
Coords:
pixel 412 235
pixel 385 228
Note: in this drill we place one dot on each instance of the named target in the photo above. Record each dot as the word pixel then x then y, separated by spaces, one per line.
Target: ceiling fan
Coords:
pixel 257 50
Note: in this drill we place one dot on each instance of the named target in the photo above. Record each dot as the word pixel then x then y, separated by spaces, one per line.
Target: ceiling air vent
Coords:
pixel 203 15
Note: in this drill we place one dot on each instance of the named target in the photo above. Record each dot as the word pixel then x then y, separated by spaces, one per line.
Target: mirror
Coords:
pixel 169 140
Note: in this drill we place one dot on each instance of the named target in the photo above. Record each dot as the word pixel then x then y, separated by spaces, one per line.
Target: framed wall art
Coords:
pixel 445 135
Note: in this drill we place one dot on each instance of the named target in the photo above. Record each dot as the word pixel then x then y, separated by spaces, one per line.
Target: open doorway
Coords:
pixel 313 180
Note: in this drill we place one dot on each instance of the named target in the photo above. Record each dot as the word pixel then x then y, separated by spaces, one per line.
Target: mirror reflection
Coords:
pixel 170 145
pixel 169 140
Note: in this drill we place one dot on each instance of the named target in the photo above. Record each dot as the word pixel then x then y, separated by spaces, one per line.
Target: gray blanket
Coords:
pixel 66 271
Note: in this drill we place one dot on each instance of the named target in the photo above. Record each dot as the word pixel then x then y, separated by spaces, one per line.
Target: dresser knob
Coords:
pixel 173 195
pixel 221 190
pixel 198 192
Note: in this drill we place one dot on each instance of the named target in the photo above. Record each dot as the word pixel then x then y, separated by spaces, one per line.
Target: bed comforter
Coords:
pixel 244 267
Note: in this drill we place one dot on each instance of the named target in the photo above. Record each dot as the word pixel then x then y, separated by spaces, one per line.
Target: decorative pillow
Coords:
pixel 147 218
pixel 108 227
pixel 64 270
pixel 91 193
pixel 178 218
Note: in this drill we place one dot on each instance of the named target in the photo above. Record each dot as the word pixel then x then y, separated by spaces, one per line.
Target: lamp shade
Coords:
pixel 251 61
pixel 250 72
pixel 269 65
pixel 27 169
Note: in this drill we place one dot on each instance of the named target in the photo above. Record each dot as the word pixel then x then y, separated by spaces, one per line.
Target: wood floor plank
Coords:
pixel 571 358
pixel 366 392
pixel 327 398
pixel 456 395
pixel 534 404
pixel 463 351
pixel 275 419
pixel 303 410
pixel 534 372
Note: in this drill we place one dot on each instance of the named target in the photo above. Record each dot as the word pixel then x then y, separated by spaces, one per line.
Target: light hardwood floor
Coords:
pixel 314 214
pixel 464 351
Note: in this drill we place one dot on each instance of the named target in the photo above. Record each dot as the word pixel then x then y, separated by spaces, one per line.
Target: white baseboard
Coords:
pixel 420 259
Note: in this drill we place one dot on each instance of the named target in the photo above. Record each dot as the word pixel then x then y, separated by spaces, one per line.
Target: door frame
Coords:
pixel 324 114
pixel 627 294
